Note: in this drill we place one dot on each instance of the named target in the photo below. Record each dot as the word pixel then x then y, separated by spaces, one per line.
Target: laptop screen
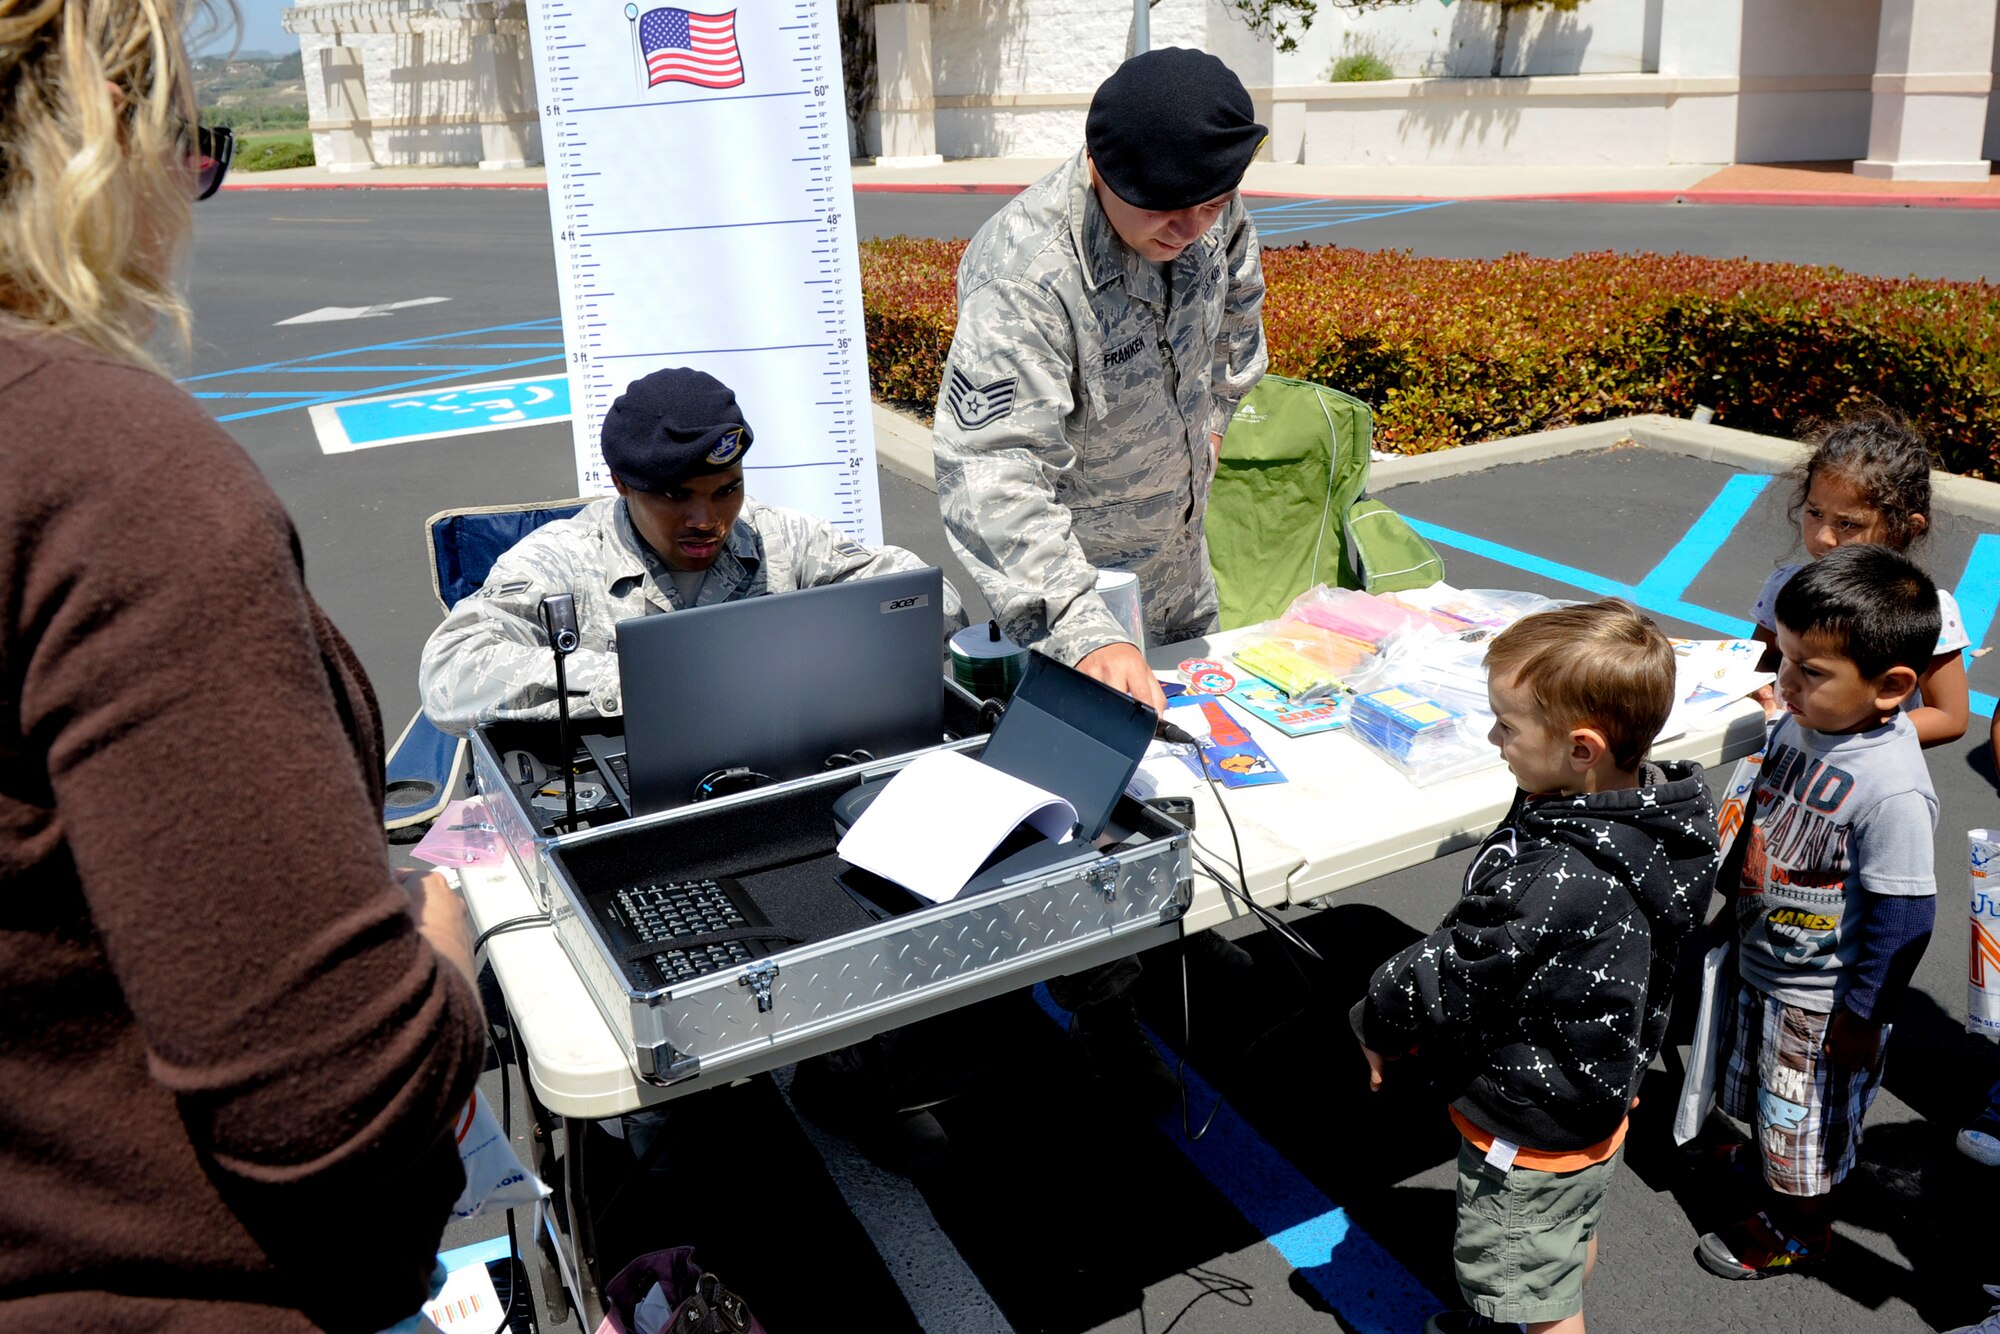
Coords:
pixel 781 684
pixel 1074 736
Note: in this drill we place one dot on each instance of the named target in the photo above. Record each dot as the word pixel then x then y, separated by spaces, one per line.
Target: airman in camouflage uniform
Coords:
pixel 1083 398
pixel 1109 319
pixel 490 658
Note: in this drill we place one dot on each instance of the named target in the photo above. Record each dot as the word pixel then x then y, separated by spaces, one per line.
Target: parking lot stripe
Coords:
pixel 1336 215
pixel 1671 577
pixel 1733 626
pixel 1364 1284
pixel 944 1294
pixel 1980 585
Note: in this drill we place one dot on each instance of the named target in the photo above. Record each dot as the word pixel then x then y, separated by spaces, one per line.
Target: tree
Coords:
pixel 1507 8
pixel 1281 19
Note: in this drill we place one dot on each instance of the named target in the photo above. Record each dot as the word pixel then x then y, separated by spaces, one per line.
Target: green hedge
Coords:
pixel 273 156
pixel 1454 351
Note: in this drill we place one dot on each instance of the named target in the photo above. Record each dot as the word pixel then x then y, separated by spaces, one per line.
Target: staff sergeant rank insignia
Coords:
pixel 976 405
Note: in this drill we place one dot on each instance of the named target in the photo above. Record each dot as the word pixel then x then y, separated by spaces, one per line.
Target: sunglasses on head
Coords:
pixel 213 147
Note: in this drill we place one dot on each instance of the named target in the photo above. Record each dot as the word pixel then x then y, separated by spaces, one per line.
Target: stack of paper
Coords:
pixel 941 817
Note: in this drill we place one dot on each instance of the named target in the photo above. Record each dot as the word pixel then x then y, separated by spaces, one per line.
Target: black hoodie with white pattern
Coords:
pixel 1544 994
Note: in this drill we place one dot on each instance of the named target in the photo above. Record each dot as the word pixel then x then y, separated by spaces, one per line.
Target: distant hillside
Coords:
pixel 251 92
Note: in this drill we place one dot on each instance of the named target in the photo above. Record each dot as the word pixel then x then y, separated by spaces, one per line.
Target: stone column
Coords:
pixel 1701 45
pixel 500 95
pixel 346 109
pixel 903 88
pixel 1932 81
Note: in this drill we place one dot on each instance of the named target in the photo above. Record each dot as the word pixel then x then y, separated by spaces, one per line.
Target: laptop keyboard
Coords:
pixel 668 912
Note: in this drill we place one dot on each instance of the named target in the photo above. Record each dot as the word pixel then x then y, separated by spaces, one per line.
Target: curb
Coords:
pixel 1746 450
pixel 1763 198
pixel 903 447
pixel 1755 198
pixel 251 186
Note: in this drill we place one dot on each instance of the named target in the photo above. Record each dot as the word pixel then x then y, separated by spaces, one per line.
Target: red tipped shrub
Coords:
pixel 1454 351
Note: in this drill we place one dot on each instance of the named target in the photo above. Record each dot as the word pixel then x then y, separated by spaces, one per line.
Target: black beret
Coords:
pixel 672 424
pixel 1172 128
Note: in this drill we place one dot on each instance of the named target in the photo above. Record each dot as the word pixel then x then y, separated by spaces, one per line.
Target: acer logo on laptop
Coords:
pixel 904 604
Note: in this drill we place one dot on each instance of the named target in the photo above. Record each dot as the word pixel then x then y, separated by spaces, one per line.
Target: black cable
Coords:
pixel 1180 1069
pixel 1174 735
pixel 511 924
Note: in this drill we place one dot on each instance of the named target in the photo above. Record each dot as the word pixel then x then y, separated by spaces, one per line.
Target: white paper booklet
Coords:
pixel 940 818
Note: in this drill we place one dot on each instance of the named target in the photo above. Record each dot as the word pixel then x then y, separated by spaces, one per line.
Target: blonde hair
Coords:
pixel 1602 665
pixel 94 207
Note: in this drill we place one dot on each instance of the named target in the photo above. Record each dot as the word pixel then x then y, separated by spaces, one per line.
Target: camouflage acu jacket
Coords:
pixel 490 658
pixel 1073 423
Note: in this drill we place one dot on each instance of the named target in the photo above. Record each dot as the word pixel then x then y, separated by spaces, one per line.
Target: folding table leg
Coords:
pixel 582 1224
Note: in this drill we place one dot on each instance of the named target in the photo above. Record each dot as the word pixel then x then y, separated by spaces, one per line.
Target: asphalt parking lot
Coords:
pixel 1059 1208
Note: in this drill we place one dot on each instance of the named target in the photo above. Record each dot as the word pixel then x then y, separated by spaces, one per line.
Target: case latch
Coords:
pixel 759 977
pixel 1102 876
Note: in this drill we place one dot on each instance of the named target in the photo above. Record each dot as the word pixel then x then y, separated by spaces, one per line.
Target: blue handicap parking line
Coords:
pixel 337 362
pixel 1980 583
pixel 1984 567
pixel 1367 1286
pixel 1312 214
pixel 1690 556
pixel 1733 626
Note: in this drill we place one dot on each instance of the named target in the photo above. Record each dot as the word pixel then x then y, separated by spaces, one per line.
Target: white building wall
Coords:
pixel 430 99
pixel 1805 70
pixel 1427 40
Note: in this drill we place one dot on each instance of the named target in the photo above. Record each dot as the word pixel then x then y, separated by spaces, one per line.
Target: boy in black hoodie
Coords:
pixel 1546 989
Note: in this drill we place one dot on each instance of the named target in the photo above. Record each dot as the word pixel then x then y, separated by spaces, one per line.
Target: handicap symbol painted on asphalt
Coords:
pixel 396 419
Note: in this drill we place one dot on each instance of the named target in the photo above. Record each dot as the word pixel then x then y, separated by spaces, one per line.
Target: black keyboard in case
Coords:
pixel 672 931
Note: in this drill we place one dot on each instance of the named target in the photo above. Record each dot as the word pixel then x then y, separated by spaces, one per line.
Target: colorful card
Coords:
pixel 1228 753
pixel 1275 707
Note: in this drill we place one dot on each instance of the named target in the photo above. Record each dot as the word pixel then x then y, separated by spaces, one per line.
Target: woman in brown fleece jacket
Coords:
pixel 230 1052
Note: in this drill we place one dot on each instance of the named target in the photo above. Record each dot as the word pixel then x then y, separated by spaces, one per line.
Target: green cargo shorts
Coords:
pixel 1522 1237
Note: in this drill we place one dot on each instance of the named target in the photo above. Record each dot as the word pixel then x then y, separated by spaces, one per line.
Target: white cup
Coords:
pixel 1120 591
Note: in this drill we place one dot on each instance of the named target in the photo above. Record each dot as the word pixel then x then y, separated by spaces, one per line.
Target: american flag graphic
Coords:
pixel 681 47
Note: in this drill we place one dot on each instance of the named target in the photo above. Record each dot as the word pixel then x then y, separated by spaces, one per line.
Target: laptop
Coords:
pixel 779 685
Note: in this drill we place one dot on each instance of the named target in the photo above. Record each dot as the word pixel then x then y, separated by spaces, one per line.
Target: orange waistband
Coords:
pixel 1545 1160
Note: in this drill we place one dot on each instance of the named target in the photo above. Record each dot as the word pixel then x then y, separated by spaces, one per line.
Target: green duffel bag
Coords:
pixel 1292 470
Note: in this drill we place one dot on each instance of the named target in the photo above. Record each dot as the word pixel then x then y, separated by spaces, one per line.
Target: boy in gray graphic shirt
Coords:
pixel 1836 898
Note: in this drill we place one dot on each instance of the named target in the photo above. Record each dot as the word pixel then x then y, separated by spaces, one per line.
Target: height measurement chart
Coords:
pixel 702 206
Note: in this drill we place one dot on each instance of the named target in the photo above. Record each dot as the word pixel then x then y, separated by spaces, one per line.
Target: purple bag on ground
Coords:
pixel 688 1300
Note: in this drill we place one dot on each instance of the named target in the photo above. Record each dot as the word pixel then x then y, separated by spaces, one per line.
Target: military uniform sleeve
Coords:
pixel 490 659
pixel 1000 445
pixel 822 554
pixel 1240 358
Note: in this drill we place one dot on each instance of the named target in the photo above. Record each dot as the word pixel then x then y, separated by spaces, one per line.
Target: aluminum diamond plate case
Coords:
pixel 855 973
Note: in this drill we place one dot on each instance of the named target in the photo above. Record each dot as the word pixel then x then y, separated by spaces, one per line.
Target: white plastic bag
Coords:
pixel 1729 815
pixel 494 1175
pixel 1704 1053
pixel 1982 993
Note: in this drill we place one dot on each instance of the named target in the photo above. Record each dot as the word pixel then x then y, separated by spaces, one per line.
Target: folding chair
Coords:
pixel 427 766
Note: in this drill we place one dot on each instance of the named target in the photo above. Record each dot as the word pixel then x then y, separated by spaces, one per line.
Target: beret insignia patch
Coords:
pixel 726 449
pixel 976 405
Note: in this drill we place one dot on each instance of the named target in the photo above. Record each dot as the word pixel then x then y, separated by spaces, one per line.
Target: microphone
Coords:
pixel 559 619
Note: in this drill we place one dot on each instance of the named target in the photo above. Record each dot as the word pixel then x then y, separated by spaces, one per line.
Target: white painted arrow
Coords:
pixel 328 314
